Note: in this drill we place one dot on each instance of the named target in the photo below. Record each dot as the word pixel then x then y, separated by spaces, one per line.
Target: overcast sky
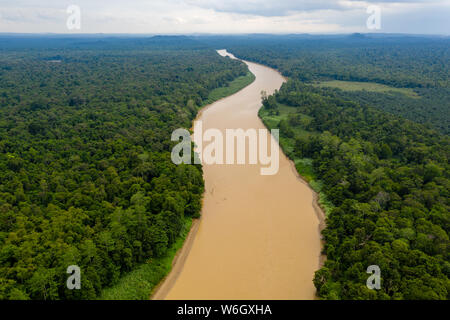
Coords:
pixel 225 16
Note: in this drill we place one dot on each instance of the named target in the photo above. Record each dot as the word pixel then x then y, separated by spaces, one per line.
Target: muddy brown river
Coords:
pixel 259 236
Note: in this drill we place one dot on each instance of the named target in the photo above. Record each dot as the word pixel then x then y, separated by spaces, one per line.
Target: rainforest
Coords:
pixel 86 176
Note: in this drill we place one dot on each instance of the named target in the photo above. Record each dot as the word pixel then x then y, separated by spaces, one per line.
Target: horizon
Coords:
pixel 187 17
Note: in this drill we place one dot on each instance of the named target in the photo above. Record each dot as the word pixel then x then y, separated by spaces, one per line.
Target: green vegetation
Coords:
pixel 86 176
pixel 402 62
pixel 139 283
pixel 366 86
pixel 388 180
pixel 278 119
pixel 233 87
pixel 431 109
pixel 417 67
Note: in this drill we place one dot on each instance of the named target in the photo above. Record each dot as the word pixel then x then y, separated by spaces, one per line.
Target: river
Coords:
pixel 259 236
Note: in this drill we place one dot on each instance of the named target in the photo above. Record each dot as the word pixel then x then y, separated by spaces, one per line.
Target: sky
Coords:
pixel 225 16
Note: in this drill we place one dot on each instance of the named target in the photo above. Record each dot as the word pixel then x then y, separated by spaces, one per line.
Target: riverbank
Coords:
pixel 258 237
pixel 235 86
pixel 163 288
pixel 150 278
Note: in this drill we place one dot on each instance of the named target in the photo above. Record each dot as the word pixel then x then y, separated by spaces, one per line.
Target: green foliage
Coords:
pixel 405 76
pixel 139 283
pixel 386 177
pixel 234 86
pixel 85 171
pixel 367 86
pixel 292 135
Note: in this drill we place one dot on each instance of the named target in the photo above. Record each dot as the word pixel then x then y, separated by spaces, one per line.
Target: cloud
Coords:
pixel 224 16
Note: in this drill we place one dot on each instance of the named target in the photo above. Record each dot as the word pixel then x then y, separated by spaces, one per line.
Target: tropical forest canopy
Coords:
pixel 86 176
pixel 421 64
pixel 385 178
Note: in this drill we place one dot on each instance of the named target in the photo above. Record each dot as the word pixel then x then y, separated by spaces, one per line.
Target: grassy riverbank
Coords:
pixel 367 86
pixel 139 283
pixel 304 166
pixel 234 86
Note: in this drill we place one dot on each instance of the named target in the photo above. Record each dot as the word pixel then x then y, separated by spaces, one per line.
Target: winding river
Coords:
pixel 259 236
